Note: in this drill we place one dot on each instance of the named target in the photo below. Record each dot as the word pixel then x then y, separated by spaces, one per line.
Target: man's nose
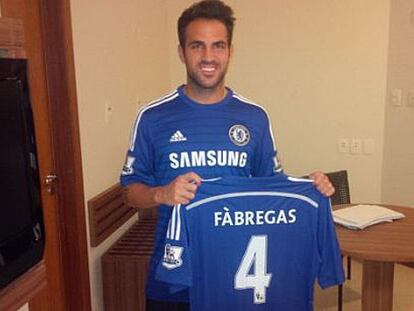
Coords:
pixel 208 54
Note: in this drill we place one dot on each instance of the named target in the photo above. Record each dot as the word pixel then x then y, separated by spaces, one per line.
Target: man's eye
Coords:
pixel 221 45
pixel 195 46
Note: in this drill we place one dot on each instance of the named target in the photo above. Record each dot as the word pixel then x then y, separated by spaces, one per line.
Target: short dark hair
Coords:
pixel 208 9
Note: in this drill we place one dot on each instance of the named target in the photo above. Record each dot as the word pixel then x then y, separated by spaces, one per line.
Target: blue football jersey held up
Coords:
pixel 176 135
pixel 252 244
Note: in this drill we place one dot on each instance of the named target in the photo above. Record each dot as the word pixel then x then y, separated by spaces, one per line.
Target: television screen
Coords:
pixel 21 229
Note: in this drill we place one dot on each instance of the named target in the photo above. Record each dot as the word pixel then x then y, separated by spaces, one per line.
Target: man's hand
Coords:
pixel 322 183
pixel 180 191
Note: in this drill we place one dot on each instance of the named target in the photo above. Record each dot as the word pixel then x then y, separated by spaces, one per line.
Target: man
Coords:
pixel 201 130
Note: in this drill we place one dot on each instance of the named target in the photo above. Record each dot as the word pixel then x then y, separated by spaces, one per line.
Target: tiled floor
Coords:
pixel 326 300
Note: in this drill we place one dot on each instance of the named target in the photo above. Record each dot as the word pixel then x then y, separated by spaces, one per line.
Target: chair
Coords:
pixel 342 195
pixel 339 180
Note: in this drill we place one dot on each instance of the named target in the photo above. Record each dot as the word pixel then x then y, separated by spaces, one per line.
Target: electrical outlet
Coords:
pixel 356 146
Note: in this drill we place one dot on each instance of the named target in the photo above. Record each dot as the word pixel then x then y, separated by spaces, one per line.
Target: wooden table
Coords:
pixel 379 247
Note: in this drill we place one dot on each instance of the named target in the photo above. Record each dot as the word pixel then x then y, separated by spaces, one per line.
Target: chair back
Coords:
pixel 339 180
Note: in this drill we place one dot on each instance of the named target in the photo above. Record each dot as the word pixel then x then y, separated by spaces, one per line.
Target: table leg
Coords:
pixel 377 286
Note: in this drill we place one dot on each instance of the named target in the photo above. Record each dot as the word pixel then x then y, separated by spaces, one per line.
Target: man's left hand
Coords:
pixel 322 183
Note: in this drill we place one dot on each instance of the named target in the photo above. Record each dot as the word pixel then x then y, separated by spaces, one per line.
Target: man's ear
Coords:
pixel 181 53
pixel 231 51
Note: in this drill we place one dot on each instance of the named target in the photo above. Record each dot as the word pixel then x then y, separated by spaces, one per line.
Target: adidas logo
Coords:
pixel 177 136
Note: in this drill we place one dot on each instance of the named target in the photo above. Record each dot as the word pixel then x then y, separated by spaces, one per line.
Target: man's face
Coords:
pixel 206 53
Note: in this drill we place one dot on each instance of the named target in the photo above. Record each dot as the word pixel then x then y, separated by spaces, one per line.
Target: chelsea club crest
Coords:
pixel 239 135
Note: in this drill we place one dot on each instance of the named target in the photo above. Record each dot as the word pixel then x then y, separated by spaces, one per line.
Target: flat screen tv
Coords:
pixel 21 225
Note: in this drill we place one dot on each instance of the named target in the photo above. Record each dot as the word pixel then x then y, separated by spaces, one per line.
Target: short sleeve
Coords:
pixel 266 161
pixel 138 166
pixel 175 266
pixel 330 265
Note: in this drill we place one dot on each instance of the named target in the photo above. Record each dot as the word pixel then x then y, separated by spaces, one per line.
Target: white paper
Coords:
pixel 362 216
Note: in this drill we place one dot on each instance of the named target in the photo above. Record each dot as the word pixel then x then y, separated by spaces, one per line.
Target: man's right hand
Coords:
pixel 180 191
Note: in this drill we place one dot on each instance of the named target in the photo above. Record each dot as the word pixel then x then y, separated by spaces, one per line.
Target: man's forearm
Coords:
pixel 140 195
pixel 179 191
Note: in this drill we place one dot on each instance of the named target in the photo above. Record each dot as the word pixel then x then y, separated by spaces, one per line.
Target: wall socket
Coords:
pixel 356 146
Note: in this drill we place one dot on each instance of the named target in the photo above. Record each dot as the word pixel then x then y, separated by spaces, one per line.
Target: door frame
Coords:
pixel 64 124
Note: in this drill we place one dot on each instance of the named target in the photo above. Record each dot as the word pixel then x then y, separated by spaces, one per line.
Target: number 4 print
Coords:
pixel 256 256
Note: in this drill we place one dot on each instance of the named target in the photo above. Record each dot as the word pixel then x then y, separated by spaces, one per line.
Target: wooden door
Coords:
pixel 48 46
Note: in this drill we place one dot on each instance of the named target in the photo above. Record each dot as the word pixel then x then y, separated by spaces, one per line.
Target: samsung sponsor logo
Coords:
pixel 208 158
pixel 254 218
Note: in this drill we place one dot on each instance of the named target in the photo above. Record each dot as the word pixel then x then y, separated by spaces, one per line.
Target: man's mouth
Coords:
pixel 208 68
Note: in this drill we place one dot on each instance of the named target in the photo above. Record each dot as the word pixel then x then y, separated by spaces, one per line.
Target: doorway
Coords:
pixel 49 50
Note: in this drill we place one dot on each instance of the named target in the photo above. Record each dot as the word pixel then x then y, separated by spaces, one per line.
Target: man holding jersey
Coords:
pixel 201 130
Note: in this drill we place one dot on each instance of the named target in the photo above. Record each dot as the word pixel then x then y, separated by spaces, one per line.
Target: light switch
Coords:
pixel 343 145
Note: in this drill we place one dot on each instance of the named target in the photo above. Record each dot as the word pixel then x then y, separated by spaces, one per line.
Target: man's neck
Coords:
pixel 205 96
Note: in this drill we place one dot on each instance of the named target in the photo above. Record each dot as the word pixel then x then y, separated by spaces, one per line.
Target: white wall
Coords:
pixel 319 68
pixel 398 166
pixel 120 60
